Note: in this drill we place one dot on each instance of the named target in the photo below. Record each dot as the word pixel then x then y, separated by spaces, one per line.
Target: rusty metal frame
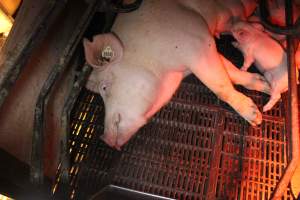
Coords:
pixel 19 56
pixel 293 122
pixel 36 174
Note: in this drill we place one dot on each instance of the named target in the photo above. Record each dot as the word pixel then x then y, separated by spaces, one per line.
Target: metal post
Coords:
pixel 293 122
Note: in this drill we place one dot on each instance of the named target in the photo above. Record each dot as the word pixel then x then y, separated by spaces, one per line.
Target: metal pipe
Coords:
pixel 292 108
pixel 36 174
pixel 289 30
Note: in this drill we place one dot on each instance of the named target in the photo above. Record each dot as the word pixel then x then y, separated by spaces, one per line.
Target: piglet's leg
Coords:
pixel 208 67
pixel 251 81
pixel 275 96
pixel 248 60
pixel 275 93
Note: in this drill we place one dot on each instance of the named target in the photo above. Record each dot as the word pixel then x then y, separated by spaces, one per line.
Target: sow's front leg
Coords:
pixel 208 67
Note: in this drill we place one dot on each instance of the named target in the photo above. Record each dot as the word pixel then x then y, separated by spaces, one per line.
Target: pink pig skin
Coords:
pixel 151 51
pixel 235 10
pixel 267 55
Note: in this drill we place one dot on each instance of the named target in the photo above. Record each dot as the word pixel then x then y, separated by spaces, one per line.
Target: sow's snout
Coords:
pixel 119 129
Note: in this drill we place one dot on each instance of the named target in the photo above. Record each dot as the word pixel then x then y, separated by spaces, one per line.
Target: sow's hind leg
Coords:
pixel 206 64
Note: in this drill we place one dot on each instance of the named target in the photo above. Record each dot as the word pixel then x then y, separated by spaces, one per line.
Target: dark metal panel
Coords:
pixel 15 181
pixel 57 70
pixel 17 112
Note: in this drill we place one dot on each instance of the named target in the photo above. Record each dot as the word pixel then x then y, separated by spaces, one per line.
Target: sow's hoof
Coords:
pixel 248 110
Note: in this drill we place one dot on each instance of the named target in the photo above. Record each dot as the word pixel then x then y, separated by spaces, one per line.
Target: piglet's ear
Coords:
pixel 241 35
pixel 104 50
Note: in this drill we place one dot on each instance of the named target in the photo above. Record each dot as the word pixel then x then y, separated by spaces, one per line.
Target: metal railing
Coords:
pixel 291 31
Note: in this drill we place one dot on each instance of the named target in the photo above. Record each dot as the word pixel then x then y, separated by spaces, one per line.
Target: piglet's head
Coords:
pixel 245 33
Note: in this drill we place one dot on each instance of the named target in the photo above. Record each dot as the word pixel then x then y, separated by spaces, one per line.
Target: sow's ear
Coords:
pixel 104 50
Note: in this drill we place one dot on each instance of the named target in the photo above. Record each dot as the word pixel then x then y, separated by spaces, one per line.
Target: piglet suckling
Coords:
pixel 267 54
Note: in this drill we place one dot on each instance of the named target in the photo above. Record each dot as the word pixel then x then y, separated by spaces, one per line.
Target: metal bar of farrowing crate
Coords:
pixel 64 151
pixel 215 157
pixel 288 30
pixel 19 56
pixel 65 117
pixel 36 173
pixel 293 121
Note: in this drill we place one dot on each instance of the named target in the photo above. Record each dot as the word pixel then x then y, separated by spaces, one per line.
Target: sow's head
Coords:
pixel 120 86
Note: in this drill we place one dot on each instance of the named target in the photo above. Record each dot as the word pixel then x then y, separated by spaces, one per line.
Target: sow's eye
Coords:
pixel 104 87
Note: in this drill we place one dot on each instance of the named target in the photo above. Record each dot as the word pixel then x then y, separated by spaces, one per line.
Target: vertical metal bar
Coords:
pixel 38 132
pixel 65 117
pixel 215 157
pixel 292 108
